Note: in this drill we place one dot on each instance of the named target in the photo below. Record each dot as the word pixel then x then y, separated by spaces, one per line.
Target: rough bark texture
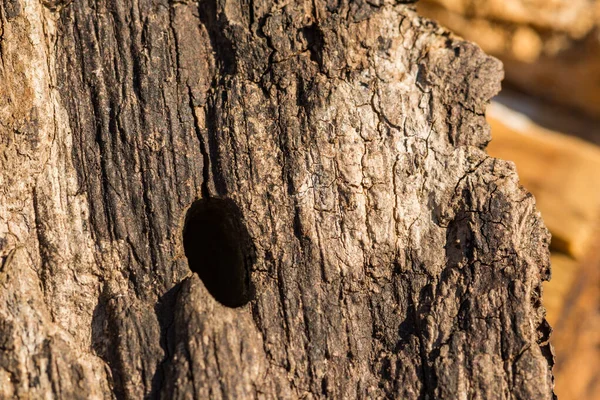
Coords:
pixel 336 150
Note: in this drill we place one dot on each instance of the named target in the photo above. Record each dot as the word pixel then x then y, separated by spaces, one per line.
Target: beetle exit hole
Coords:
pixel 219 249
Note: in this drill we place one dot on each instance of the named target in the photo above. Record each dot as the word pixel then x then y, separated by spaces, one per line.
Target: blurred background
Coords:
pixel 547 120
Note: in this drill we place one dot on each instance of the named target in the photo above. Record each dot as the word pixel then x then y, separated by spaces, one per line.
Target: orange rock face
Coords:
pixel 550 49
pixel 562 172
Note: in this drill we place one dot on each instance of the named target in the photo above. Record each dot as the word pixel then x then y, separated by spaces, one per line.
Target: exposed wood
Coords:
pixel 387 255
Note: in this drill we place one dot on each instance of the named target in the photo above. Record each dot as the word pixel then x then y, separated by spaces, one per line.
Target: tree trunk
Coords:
pixel 258 199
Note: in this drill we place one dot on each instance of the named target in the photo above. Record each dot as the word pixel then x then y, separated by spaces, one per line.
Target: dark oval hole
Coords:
pixel 219 249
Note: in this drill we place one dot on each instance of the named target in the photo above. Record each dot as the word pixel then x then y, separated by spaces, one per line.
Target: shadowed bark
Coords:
pixel 321 165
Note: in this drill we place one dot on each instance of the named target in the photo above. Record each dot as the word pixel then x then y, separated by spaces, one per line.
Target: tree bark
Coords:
pixel 259 199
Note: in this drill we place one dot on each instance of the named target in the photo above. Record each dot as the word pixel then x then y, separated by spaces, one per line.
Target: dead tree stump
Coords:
pixel 320 163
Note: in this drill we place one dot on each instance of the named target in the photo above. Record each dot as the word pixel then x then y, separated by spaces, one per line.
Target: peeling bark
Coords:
pixel 375 250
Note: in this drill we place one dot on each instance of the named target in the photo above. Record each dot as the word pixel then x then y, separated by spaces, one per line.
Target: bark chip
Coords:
pixel 219 249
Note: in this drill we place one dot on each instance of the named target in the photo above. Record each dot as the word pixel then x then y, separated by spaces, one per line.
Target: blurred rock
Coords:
pixel 550 48
pixel 560 170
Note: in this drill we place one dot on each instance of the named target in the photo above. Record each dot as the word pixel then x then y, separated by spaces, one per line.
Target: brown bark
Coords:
pixel 321 166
